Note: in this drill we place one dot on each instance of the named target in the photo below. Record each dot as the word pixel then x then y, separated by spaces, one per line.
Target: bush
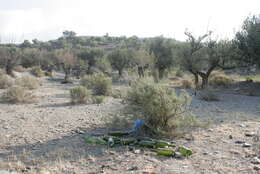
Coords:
pixel 98 99
pixel 208 95
pixel 37 71
pixel 98 82
pixel 119 93
pixel 5 81
pixel 28 82
pixel 186 84
pixel 80 95
pixel 20 68
pixel 162 108
pixel 2 72
pixel 17 94
pixel 179 73
pixel 218 79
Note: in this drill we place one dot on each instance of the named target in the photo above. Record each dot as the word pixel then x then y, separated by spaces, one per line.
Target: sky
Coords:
pixel 47 19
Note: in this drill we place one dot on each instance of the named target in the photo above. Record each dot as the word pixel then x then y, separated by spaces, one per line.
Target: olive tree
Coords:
pixel 248 40
pixel 120 58
pixel 9 58
pixel 66 60
pixel 162 49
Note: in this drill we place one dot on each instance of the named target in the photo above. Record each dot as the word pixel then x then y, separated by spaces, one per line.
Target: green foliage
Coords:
pixel 37 71
pixel 5 81
pixel 98 82
pixel 17 94
pixel 163 52
pixel 248 40
pixel 28 82
pixel 161 106
pixel 80 95
pixel 120 59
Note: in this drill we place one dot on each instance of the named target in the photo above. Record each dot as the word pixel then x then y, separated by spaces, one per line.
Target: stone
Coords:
pixel 230 137
pixel 137 151
pixel 133 168
pixel 246 145
pixel 4 172
pixel 255 160
pixel 239 142
pixel 249 134
pixel 178 155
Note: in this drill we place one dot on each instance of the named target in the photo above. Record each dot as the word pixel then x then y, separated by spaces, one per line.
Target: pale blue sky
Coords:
pixel 46 19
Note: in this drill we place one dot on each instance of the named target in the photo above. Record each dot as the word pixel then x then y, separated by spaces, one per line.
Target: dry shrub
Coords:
pixel 5 81
pixel 163 110
pixel 119 93
pixel 218 79
pixel 99 83
pixel 20 68
pixel 37 71
pixel 17 94
pixel 80 95
pixel 2 72
pixel 186 84
pixel 98 99
pixel 208 95
pixel 28 82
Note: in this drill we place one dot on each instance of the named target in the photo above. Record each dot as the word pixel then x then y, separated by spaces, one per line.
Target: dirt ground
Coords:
pixel 48 137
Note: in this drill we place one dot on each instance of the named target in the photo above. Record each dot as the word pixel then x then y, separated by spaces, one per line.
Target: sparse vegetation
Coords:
pixel 162 108
pixel 98 82
pixel 219 79
pixel 80 95
pixel 17 94
pixel 98 99
pixel 37 71
pixel 28 82
pixel 5 81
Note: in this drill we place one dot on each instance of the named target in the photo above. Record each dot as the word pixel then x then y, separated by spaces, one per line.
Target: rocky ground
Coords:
pixel 47 137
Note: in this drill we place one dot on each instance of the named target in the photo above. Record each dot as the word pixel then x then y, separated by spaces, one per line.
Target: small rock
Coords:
pixel 257 168
pixel 249 134
pixel 234 152
pixel 178 155
pixel 246 145
pixel 133 168
pixel 4 172
pixel 230 137
pixel 242 125
pixel 255 160
pixel 239 142
pixel 137 151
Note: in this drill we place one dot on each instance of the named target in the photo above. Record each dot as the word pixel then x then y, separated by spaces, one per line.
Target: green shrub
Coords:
pixel 162 108
pixel 179 73
pixel 37 71
pixel 80 95
pixel 98 82
pixel 28 82
pixel 17 94
pixel 5 81
pixel 218 79
pixel 208 95
pixel 98 99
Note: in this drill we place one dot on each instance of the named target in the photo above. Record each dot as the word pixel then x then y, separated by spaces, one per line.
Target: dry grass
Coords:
pixel 80 95
pixel 37 71
pixel 219 79
pixel 5 81
pixel 17 94
pixel 20 68
pixel 28 82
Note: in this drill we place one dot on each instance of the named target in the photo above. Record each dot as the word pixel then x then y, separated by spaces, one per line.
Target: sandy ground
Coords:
pixel 47 137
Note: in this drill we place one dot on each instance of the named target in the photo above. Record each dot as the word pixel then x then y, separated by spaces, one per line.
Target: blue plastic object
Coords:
pixel 137 126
